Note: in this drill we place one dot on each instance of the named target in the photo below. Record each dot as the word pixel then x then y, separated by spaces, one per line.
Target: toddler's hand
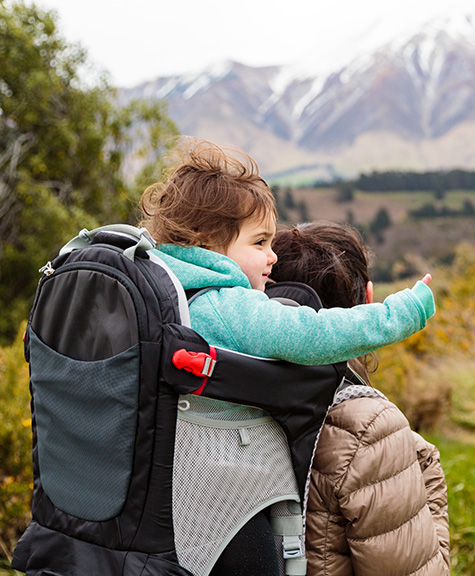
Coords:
pixel 427 278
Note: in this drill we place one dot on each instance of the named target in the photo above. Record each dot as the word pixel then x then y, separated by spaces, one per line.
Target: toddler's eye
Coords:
pixel 260 242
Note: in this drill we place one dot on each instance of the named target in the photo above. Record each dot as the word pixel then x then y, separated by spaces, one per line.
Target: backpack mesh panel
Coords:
pixel 218 484
pixel 86 416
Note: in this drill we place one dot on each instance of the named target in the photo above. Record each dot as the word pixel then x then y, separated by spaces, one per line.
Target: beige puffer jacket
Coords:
pixel 378 497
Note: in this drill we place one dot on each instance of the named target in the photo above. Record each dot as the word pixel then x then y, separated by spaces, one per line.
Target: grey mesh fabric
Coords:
pixel 356 391
pixel 85 430
pixel 208 508
pixel 210 408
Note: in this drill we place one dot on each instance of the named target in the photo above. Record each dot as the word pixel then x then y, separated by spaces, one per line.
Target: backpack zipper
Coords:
pixel 134 292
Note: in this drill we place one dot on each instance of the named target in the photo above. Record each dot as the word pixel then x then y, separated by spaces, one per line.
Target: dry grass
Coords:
pixel 322 203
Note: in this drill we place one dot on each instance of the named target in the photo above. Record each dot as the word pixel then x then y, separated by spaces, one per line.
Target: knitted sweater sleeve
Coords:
pixel 247 321
pixel 368 511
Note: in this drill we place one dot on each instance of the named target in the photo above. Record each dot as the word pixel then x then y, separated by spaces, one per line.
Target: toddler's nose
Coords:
pixel 272 257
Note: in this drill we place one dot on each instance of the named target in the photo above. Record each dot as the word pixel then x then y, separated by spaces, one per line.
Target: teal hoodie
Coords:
pixel 246 320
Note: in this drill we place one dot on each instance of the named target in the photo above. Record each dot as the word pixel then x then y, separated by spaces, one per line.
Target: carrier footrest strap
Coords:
pixel 292 547
pixel 296 566
pixel 291 529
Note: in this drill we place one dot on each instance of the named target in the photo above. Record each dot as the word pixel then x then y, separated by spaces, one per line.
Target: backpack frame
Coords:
pixel 111 350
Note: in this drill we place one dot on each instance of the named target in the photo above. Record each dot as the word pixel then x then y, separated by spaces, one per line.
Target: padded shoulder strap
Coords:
pixel 193 293
pixel 289 293
pixel 300 293
pixel 141 236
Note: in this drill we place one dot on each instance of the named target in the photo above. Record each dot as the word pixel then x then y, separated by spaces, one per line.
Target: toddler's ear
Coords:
pixel 369 293
pixel 203 241
pixel 217 249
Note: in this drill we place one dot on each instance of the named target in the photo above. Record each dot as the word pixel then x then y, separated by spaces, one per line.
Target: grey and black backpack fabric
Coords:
pixel 111 353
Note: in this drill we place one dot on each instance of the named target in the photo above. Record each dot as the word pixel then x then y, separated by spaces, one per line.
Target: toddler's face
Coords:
pixel 252 250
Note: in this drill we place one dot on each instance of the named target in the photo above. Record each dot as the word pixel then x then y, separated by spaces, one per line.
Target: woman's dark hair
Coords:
pixel 331 258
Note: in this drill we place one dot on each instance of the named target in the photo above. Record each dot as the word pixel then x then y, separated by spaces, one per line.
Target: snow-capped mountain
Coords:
pixel 404 103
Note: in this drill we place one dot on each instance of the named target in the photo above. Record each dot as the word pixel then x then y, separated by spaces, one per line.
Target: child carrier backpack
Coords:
pixel 111 352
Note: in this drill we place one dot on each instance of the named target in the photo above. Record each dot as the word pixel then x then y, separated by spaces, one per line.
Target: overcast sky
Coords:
pixel 138 40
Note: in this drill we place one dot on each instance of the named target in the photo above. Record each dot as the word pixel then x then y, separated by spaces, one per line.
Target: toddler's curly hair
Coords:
pixel 207 197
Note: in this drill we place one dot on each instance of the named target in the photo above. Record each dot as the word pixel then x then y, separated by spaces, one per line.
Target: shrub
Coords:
pixel 423 374
pixel 15 444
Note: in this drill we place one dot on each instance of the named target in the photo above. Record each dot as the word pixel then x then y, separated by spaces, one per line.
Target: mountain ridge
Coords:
pixel 412 97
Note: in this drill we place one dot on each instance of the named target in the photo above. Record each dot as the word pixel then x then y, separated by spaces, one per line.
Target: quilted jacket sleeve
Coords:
pixel 369 508
pixel 436 490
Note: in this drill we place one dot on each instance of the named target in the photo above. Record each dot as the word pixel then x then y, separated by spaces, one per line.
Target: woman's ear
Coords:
pixel 369 293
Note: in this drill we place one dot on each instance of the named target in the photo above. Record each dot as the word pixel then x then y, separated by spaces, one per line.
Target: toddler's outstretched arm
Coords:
pixel 266 328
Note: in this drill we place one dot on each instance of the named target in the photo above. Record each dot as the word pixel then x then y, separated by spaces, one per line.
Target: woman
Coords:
pixel 377 496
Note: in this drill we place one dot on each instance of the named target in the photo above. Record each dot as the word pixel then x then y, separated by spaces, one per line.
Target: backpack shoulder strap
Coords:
pixel 141 236
pixel 289 293
pixel 301 294
pixel 193 293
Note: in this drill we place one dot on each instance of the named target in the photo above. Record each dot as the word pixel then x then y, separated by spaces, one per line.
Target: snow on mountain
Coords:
pixel 418 85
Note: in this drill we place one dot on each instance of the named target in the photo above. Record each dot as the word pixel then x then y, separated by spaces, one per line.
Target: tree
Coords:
pixel 304 214
pixel 15 445
pixel 345 191
pixel 439 186
pixel 468 208
pixel 350 217
pixel 282 213
pixel 62 147
pixel 380 222
pixel 289 201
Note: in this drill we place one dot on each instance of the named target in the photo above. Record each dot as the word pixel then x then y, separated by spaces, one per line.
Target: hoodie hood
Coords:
pixel 197 267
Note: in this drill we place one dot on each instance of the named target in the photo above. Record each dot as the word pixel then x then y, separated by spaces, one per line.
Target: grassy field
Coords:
pixel 457 451
pixel 406 245
pixel 458 461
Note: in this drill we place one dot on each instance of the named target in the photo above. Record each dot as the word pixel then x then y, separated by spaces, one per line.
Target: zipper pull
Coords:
pixel 47 269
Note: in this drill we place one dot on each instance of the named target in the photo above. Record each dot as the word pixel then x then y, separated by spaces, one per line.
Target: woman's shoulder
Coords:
pixel 363 431
pixel 363 410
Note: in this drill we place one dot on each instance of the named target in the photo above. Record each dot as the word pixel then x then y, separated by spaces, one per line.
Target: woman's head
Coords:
pixel 331 258
pixel 206 199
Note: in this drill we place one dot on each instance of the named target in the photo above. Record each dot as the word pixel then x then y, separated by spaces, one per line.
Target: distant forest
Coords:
pixel 437 181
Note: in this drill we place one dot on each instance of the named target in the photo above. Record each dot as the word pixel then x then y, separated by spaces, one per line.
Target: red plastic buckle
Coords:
pixel 198 363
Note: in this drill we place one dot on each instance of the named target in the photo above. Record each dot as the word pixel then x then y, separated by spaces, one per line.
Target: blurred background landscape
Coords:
pixel 379 133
